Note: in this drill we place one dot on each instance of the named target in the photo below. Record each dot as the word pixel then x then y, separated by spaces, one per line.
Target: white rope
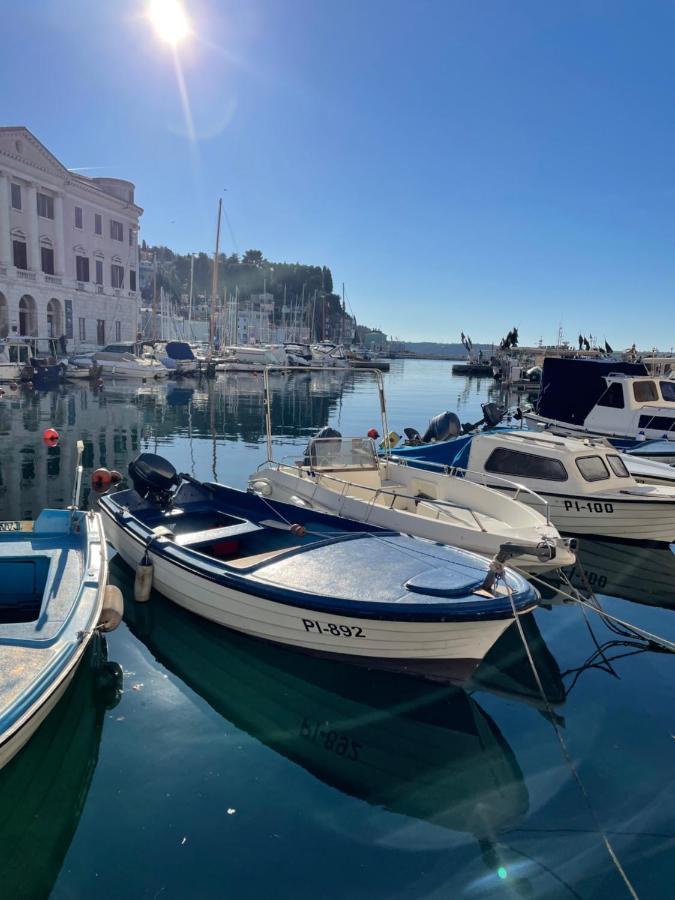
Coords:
pixel 566 754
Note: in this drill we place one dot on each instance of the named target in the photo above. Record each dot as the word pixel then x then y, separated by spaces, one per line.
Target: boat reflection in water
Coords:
pixel 43 790
pixel 641 574
pixel 413 747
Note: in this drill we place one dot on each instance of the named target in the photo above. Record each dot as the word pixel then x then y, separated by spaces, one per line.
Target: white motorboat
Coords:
pixel 345 477
pixel 601 397
pixel 299 355
pixel 126 360
pixel 14 359
pixel 585 482
pixel 326 354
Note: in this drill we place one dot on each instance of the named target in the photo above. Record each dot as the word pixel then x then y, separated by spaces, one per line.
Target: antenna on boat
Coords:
pixel 74 506
pixel 268 411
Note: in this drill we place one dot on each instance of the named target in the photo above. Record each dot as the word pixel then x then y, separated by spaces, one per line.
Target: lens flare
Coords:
pixel 169 20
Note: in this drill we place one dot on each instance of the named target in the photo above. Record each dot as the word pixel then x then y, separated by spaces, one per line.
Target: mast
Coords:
pixel 214 282
pixel 153 330
pixel 192 280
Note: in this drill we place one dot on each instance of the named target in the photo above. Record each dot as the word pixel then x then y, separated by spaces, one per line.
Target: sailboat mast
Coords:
pixel 214 282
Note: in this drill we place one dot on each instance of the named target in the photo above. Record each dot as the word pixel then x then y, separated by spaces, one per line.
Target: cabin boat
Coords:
pixel 601 397
pixel 298 355
pixel 127 360
pixel 52 601
pixel 14 361
pixel 30 360
pixel 585 482
pixel 178 358
pixel 345 477
pixel 327 354
pixel 296 576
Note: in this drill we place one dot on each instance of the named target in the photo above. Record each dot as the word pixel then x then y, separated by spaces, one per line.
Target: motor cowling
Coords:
pixel 442 427
pixel 153 477
pixel 493 413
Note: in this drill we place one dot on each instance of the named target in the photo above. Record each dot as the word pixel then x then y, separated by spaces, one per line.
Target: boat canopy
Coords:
pixel 179 350
pixel 570 388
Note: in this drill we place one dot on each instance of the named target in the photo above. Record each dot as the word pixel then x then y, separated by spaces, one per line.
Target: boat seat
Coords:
pixel 243 562
pixel 211 535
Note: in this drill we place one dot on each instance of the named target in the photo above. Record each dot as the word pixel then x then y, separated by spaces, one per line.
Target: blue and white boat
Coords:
pixel 178 358
pixel 295 576
pixel 53 600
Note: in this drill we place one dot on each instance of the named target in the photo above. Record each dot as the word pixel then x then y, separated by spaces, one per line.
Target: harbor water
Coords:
pixel 230 767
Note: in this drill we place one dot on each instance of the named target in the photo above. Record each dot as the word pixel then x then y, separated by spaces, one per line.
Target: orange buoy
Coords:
pixel 101 480
pixel 50 436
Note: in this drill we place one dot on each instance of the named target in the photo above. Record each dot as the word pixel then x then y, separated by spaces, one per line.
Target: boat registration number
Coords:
pixel 590 506
pixel 333 628
pixel 10 526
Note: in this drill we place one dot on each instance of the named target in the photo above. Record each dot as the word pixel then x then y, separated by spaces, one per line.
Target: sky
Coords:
pixel 460 166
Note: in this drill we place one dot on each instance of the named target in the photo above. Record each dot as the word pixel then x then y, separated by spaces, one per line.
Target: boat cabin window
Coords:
pixel 617 466
pixel 657 423
pixel 668 391
pixel 645 391
pixel 613 396
pixel 593 468
pixel 527 465
pixel 18 354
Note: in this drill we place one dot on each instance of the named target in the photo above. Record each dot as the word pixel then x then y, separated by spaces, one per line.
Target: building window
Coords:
pixel 98 224
pixel 79 218
pixel 132 279
pixel 116 230
pixel 82 328
pixel 100 331
pixel 82 268
pixel 16 196
pixel 118 331
pixel 99 271
pixel 45 206
pixel 117 276
pixel 131 237
pixel 20 254
pixel 47 255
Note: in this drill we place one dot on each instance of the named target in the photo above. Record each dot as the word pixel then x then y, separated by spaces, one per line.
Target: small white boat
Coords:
pixel 326 354
pixel 585 482
pixel 14 360
pixel 345 477
pixel 126 360
pixel 53 600
pixel 313 581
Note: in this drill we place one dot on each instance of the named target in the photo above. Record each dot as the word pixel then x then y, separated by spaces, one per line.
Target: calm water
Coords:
pixel 233 768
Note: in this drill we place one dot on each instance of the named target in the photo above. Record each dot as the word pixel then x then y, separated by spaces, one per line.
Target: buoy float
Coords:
pixel 101 480
pixel 115 476
pixel 113 609
pixel 298 530
pixel 143 580
pixel 50 436
pixel 373 434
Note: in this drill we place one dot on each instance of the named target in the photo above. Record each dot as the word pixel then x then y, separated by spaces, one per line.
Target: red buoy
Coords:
pixel 101 480
pixel 373 434
pixel 50 436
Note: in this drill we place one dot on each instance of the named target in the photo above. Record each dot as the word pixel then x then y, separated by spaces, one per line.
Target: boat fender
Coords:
pixel 262 487
pixel 101 480
pixel 113 609
pixel 143 580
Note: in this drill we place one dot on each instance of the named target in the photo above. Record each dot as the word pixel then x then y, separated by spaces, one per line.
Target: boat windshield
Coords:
pixel 341 453
pixel 593 468
pixel 668 391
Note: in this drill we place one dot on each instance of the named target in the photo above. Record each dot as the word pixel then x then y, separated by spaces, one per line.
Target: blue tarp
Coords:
pixel 179 350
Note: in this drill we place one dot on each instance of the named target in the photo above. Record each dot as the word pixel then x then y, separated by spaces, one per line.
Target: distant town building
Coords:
pixel 68 248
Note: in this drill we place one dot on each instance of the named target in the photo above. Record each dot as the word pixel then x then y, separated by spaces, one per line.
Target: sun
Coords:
pixel 169 20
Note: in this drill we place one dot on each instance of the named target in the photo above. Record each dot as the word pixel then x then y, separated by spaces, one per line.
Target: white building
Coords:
pixel 68 248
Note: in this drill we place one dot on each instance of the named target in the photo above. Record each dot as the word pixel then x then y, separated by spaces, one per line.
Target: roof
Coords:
pixel 570 388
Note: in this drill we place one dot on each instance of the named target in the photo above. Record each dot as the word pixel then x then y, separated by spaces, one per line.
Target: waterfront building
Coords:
pixel 68 248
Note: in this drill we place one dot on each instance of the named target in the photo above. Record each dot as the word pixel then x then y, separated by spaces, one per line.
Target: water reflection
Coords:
pixel 43 790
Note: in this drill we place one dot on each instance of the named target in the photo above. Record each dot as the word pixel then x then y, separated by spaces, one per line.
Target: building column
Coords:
pixel 33 229
pixel 59 255
pixel 5 241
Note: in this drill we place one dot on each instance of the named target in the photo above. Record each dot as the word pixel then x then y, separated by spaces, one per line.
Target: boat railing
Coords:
pixel 442 506
pixel 485 480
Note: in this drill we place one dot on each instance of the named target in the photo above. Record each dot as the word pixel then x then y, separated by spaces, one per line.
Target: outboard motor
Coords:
pixel 493 413
pixel 442 427
pixel 311 448
pixel 412 436
pixel 153 478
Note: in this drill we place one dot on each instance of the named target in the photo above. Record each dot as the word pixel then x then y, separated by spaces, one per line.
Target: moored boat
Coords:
pixel 125 360
pixel 300 577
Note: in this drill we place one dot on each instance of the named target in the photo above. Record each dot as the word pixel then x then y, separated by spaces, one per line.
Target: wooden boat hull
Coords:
pixel 463 644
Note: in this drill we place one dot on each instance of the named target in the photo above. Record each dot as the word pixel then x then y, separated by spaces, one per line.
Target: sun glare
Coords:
pixel 169 20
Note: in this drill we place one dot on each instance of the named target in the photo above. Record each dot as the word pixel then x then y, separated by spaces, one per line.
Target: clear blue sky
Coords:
pixel 460 165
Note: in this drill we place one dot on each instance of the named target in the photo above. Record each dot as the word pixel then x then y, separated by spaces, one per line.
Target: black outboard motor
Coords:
pixel 493 413
pixel 153 478
pixel 311 448
pixel 412 436
pixel 442 427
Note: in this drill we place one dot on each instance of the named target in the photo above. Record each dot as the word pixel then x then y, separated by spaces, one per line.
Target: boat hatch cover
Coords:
pixel 444 582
